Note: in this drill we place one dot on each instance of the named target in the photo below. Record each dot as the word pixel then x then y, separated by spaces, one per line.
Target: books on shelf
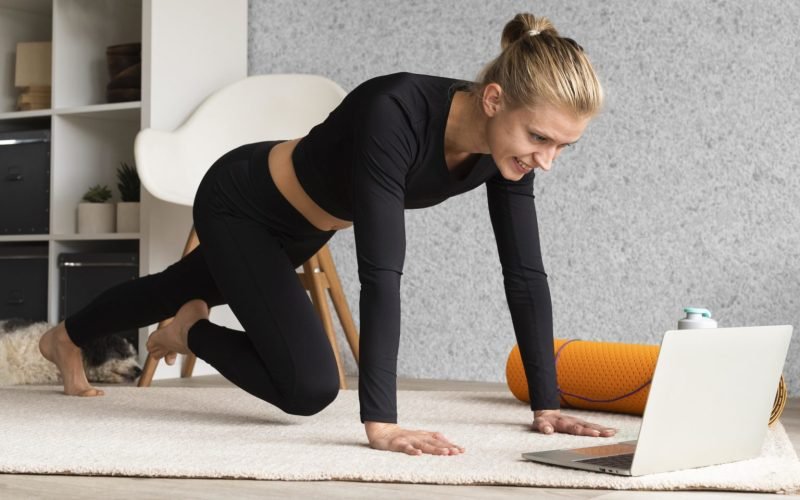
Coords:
pixel 31 98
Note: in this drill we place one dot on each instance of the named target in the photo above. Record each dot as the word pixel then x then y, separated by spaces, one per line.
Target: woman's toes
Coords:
pixel 91 392
pixel 154 346
pixel 167 342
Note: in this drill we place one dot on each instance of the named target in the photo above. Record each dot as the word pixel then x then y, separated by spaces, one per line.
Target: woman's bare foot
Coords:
pixel 168 341
pixel 57 348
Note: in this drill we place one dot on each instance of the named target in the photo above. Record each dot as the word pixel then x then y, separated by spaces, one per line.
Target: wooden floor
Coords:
pixel 29 487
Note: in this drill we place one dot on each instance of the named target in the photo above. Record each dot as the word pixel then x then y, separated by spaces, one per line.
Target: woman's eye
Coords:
pixel 538 138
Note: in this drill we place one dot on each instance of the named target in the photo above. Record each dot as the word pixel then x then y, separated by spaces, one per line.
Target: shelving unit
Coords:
pixel 189 49
pixel 88 136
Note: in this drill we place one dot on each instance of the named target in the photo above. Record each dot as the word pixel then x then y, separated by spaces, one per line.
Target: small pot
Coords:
pixel 96 217
pixel 128 217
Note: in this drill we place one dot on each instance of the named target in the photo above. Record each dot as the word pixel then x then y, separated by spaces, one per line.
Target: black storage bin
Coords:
pixel 83 276
pixel 25 182
pixel 23 282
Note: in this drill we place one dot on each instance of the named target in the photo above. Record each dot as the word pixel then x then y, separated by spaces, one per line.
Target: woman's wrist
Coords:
pixel 374 429
pixel 539 413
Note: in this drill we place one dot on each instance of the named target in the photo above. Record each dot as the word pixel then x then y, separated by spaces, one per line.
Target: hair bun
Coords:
pixel 526 25
pixel 538 65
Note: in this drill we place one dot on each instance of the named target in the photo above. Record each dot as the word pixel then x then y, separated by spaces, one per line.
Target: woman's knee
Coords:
pixel 313 395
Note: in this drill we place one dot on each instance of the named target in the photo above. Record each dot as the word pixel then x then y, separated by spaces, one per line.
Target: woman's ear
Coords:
pixel 492 99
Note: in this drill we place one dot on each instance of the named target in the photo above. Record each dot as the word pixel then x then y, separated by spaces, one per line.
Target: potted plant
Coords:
pixel 128 208
pixel 95 214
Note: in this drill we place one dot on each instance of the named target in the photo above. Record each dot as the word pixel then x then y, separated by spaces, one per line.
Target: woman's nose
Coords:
pixel 543 161
pixel 544 158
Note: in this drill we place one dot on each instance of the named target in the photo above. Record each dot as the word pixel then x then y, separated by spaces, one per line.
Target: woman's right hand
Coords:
pixel 392 437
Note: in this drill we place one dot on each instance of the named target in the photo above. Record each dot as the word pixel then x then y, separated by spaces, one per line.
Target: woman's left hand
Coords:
pixel 549 421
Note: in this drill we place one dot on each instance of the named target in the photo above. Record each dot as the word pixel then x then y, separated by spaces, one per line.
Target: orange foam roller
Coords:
pixel 603 376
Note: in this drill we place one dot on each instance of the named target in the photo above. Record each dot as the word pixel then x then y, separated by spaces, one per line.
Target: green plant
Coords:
pixel 129 184
pixel 97 194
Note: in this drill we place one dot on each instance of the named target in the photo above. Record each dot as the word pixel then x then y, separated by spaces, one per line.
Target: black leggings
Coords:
pixel 251 242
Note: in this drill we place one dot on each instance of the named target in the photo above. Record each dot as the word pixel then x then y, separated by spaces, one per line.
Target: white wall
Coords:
pixel 684 192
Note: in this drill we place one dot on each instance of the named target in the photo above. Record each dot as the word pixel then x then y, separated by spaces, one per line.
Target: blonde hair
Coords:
pixel 537 65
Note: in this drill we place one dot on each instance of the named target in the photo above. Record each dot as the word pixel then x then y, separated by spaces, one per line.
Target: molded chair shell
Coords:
pixel 171 164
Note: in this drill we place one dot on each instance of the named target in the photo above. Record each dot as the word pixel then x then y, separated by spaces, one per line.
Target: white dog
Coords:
pixel 110 359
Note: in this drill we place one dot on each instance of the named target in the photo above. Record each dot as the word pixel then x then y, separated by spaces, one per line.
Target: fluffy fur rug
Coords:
pixel 111 359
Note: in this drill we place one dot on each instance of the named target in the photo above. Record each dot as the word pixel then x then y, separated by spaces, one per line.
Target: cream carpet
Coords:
pixel 226 433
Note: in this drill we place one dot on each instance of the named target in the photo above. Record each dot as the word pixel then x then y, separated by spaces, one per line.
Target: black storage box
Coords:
pixel 25 182
pixel 23 282
pixel 83 276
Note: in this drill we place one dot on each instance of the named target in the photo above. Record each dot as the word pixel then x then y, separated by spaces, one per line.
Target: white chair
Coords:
pixel 171 165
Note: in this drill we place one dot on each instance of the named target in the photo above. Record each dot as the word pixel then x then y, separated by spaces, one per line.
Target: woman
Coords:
pixel 395 142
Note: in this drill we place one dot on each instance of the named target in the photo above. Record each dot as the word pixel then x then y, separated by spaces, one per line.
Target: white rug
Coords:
pixel 226 433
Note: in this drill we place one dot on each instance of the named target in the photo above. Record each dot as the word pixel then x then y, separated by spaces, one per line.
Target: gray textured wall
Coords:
pixel 683 192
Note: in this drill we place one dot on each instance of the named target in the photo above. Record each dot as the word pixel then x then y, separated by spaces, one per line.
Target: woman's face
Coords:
pixel 525 139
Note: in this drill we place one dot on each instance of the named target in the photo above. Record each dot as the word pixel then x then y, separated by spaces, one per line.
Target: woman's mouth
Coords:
pixel 522 167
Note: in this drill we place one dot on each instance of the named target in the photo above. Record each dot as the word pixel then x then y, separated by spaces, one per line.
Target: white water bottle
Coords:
pixel 696 317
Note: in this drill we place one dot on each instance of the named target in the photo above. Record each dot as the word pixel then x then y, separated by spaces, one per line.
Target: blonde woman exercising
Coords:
pixel 396 142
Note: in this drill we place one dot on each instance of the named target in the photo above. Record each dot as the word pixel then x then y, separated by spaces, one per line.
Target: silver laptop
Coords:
pixel 710 401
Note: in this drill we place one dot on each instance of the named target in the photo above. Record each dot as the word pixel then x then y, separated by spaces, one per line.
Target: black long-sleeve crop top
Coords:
pixel 381 151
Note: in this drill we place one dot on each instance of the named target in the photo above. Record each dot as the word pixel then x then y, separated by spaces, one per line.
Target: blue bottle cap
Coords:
pixel 697 310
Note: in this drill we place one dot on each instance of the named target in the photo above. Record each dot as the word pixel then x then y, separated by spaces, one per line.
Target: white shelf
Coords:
pixel 23 237
pixel 21 115
pixel 128 111
pixel 14 238
pixel 94 237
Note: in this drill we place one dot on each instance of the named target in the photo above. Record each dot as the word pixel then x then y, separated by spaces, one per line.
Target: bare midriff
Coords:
pixel 283 175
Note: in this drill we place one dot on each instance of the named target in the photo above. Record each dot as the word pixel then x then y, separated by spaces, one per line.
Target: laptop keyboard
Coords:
pixel 615 461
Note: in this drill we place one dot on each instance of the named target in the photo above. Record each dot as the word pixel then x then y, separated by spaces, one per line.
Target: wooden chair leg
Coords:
pixel 188 365
pixel 312 271
pixel 339 300
pixel 146 378
pixel 152 363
